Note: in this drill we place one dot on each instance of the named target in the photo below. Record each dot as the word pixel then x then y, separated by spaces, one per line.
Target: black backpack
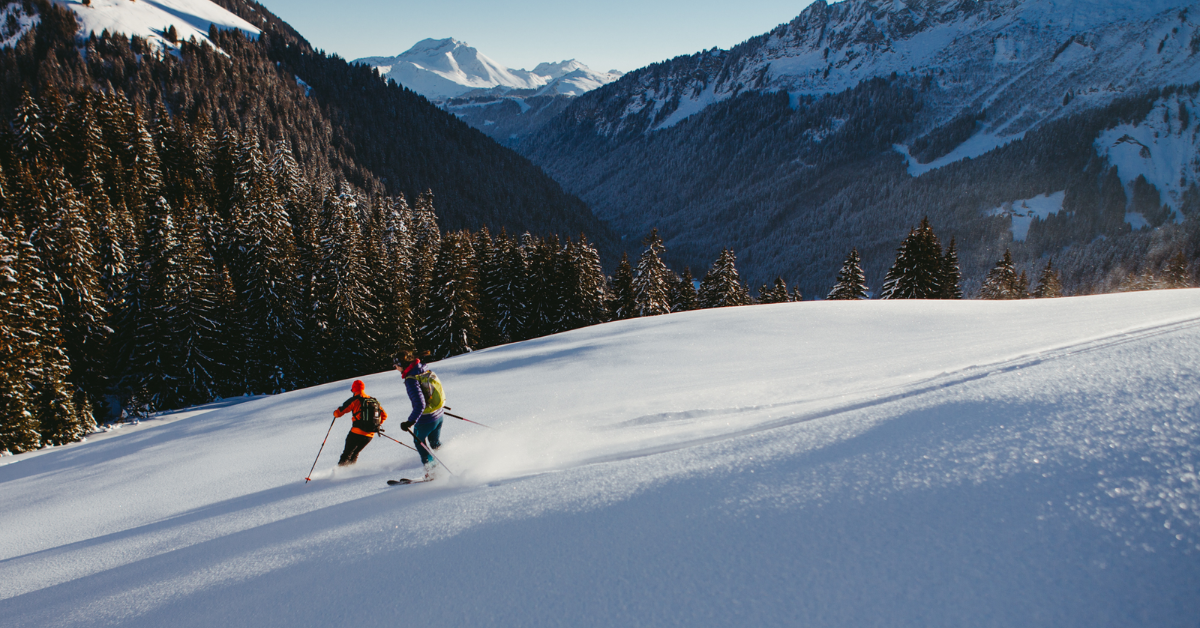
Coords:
pixel 368 414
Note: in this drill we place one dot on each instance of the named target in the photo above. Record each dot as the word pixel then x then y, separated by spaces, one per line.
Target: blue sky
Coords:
pixel 617 34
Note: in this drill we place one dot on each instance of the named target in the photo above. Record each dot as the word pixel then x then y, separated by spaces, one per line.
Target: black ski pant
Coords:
pixel 354 445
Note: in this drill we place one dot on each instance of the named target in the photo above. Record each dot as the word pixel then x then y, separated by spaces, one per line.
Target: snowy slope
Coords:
pixel 150 19
pixel 446 68
pixel 821 464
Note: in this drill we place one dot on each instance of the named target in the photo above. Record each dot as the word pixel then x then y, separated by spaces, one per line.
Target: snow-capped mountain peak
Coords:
pixel 556 70
pixel 446 68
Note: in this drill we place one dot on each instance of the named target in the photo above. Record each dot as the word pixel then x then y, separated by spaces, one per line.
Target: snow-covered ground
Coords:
pixel 1164 148
pixel 912 463
pixel 150 19
pixel 1023 212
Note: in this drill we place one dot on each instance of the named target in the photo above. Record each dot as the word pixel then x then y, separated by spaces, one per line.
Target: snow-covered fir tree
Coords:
pixel 194 323
pixel 146 345
pixel 77 291
pixel 342 299
pixel 917 272
pixel 427 241
pixel 722 287
pixel 392 271
pixel 776 293
pixel 29 131
pixel 51 398
pixel 683 292
pixel 851 280
pixel 450 326
pixel 1049 285
pixel 622 303
pixel 651 290
pixel 505 286
pixel 951 274
pixel 548 279
pixel 18 343
pixel 586 294
pixel 263 265
pixel 1002 281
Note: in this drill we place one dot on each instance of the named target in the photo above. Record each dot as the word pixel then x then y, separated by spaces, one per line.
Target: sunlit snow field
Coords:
pixel 964 463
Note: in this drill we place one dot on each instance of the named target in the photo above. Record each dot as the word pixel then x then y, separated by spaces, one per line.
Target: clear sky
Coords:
pixel 616 34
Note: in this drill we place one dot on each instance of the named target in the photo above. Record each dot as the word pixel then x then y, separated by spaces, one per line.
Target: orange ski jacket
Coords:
pixel 352 405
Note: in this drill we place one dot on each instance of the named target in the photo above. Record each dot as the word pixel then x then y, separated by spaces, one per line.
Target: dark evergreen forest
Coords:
pixel 177 228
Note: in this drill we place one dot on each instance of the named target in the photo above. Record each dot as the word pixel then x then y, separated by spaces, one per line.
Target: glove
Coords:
pixel 406 425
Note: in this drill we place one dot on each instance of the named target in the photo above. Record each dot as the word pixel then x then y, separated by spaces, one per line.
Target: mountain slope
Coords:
pixel 762 136
pixel 956 463
pixel 151 19
pixel 341 121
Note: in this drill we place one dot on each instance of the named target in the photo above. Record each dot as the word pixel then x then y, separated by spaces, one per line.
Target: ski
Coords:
pixel 406 481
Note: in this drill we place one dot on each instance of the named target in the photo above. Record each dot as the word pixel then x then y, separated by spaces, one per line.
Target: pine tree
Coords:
pixel 48 263
pixel 548 279
pixel 18 346
pixel 29 130
pixel 1002 281
pixel 145 345
pixel 391 281
pixel 851 281
pixel 951 275
pixel 683 293
pixel 1049 284
pixel 343 323
pixel 586 294
pixel 651 293
pixel 51 398
pixel 193 324
pixel 67 248
pixel 264 270
pixel 722 287
pixel 504 285
pixel 427 239
pixel 623 304
pixel 777 293
pixel 917 272
pixel 450 321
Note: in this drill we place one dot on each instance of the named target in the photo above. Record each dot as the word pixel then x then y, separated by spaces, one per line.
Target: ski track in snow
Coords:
pixel 1043 474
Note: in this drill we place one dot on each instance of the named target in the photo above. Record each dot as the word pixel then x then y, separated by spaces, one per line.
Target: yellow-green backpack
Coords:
pixel 431 387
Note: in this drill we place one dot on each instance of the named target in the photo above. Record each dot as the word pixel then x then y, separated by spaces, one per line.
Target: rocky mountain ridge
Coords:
pixel 816 136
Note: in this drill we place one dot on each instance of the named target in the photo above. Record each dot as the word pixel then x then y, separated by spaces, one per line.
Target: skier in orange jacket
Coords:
pixel 368 417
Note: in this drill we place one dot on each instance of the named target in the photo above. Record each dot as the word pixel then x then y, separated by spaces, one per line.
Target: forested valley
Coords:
pixel 794 184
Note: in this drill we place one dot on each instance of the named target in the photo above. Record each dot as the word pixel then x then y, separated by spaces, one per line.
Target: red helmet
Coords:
pixel 357 387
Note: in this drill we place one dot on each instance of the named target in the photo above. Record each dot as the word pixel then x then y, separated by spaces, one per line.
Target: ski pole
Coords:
pixel 309 476
pixel 460 418
pixel 430 450
pixel 394 440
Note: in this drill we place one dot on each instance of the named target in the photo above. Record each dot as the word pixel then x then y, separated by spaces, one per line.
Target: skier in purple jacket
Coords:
pixel 425 392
